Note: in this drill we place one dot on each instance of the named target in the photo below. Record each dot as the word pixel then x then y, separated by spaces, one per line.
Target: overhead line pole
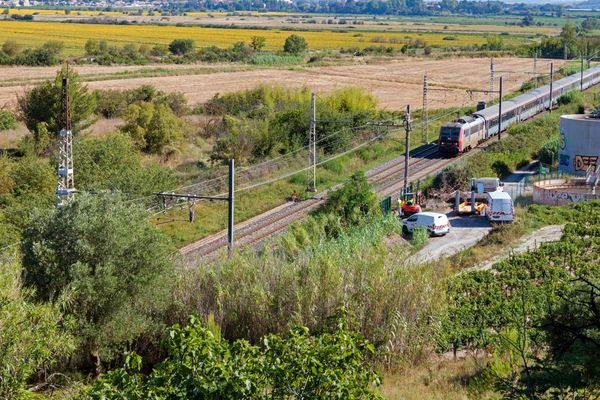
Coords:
pixel 312 146
pixel 581 78
pixel 407 128
pixel 491 99
pixel 230 223
pixel 425 134
pixel 500 112
pixel 551 85
pixel 229 199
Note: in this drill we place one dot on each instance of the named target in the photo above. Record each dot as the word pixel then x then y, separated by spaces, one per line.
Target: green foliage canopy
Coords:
pixel 43 103
pixel 116 267
pixel 295 44
pixel 330 364
pixel 31 334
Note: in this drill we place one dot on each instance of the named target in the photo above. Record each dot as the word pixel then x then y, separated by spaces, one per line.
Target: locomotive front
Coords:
pixel 450 138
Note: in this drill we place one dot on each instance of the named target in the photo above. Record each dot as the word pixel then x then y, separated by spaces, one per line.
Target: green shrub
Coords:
pixel 548 154
pixel 419 237
pixel 154 128
pixel 32 335
pixel 8 120
pixel 572 97
pixel 276 59
pixel 181 46
pixel 201 365
pixel 118 269
pixel 295 44
pixel 336 165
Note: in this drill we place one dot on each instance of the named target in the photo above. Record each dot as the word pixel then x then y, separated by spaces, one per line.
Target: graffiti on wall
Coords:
pixel 556 195
pixel 581 163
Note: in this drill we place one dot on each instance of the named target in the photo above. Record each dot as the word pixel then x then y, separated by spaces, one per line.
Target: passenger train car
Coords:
pixel 467 132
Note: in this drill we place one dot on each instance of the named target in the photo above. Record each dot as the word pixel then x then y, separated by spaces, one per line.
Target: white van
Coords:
pixel 437 224
pixel 499 207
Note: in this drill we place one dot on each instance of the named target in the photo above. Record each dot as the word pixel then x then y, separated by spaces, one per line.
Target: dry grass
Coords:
pixel 437 380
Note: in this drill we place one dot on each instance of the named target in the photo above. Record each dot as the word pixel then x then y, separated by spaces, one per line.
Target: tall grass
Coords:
pixel 276 59
pixel 393 303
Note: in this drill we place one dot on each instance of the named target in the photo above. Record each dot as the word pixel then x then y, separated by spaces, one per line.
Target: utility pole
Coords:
pixel 500 112
pixel 535 64
pixel 407 128
pixel 229 199
pixel 491 80
pixel 425 134
pixel 312 146
pixel 551 84
pixel 230 223
pixel 66 183
pixel 581 77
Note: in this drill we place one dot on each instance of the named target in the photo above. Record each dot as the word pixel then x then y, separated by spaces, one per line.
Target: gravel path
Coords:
pixel 532 241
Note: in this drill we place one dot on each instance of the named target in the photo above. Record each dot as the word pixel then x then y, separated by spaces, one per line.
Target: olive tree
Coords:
pixel 117 268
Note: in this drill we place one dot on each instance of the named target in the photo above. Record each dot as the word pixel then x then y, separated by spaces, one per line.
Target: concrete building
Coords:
pixel 579 143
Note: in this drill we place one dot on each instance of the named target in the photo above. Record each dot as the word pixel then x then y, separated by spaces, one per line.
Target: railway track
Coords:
pixel 384 177
pixel 387 180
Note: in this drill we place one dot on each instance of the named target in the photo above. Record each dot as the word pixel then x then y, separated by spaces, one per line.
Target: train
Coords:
pixel 466 132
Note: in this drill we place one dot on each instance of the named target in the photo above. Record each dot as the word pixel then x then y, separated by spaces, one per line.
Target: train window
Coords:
pixel 450 132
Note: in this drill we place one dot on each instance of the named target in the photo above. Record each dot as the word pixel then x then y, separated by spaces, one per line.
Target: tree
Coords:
pixel 181 47
pixel 31 337
pixel 352 202
pixel 43 103
pixel 257 42
pixel 113 162
pixel 589 24
pixel 116 268
pixel 92 47
pixel 295 44
pixel 494 42
pixel 11 48
pixel 527 20
pixel 152 126
pixel 568 37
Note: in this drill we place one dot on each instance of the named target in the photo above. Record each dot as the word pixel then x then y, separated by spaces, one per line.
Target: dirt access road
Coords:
pixel 465 232
pixel 395 82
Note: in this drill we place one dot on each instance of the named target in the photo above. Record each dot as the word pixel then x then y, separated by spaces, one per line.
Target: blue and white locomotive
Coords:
pixel 467 132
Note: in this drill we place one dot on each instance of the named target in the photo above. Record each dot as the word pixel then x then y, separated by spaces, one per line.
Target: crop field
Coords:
pixel 395 83
pixel 75 35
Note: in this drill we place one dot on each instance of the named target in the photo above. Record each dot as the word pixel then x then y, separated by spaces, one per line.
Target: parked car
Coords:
pixel 437 224
pixel 499 207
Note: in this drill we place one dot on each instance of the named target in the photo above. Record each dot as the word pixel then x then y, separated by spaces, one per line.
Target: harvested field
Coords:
pixel 395 84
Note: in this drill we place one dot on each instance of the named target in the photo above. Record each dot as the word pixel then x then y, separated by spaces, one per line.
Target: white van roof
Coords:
pixel 499 195
pixel 431 214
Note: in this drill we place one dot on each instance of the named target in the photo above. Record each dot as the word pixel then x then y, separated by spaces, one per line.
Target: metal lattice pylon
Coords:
pixel 66 182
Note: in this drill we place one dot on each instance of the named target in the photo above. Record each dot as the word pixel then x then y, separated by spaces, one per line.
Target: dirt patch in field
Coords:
pixel 395 83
